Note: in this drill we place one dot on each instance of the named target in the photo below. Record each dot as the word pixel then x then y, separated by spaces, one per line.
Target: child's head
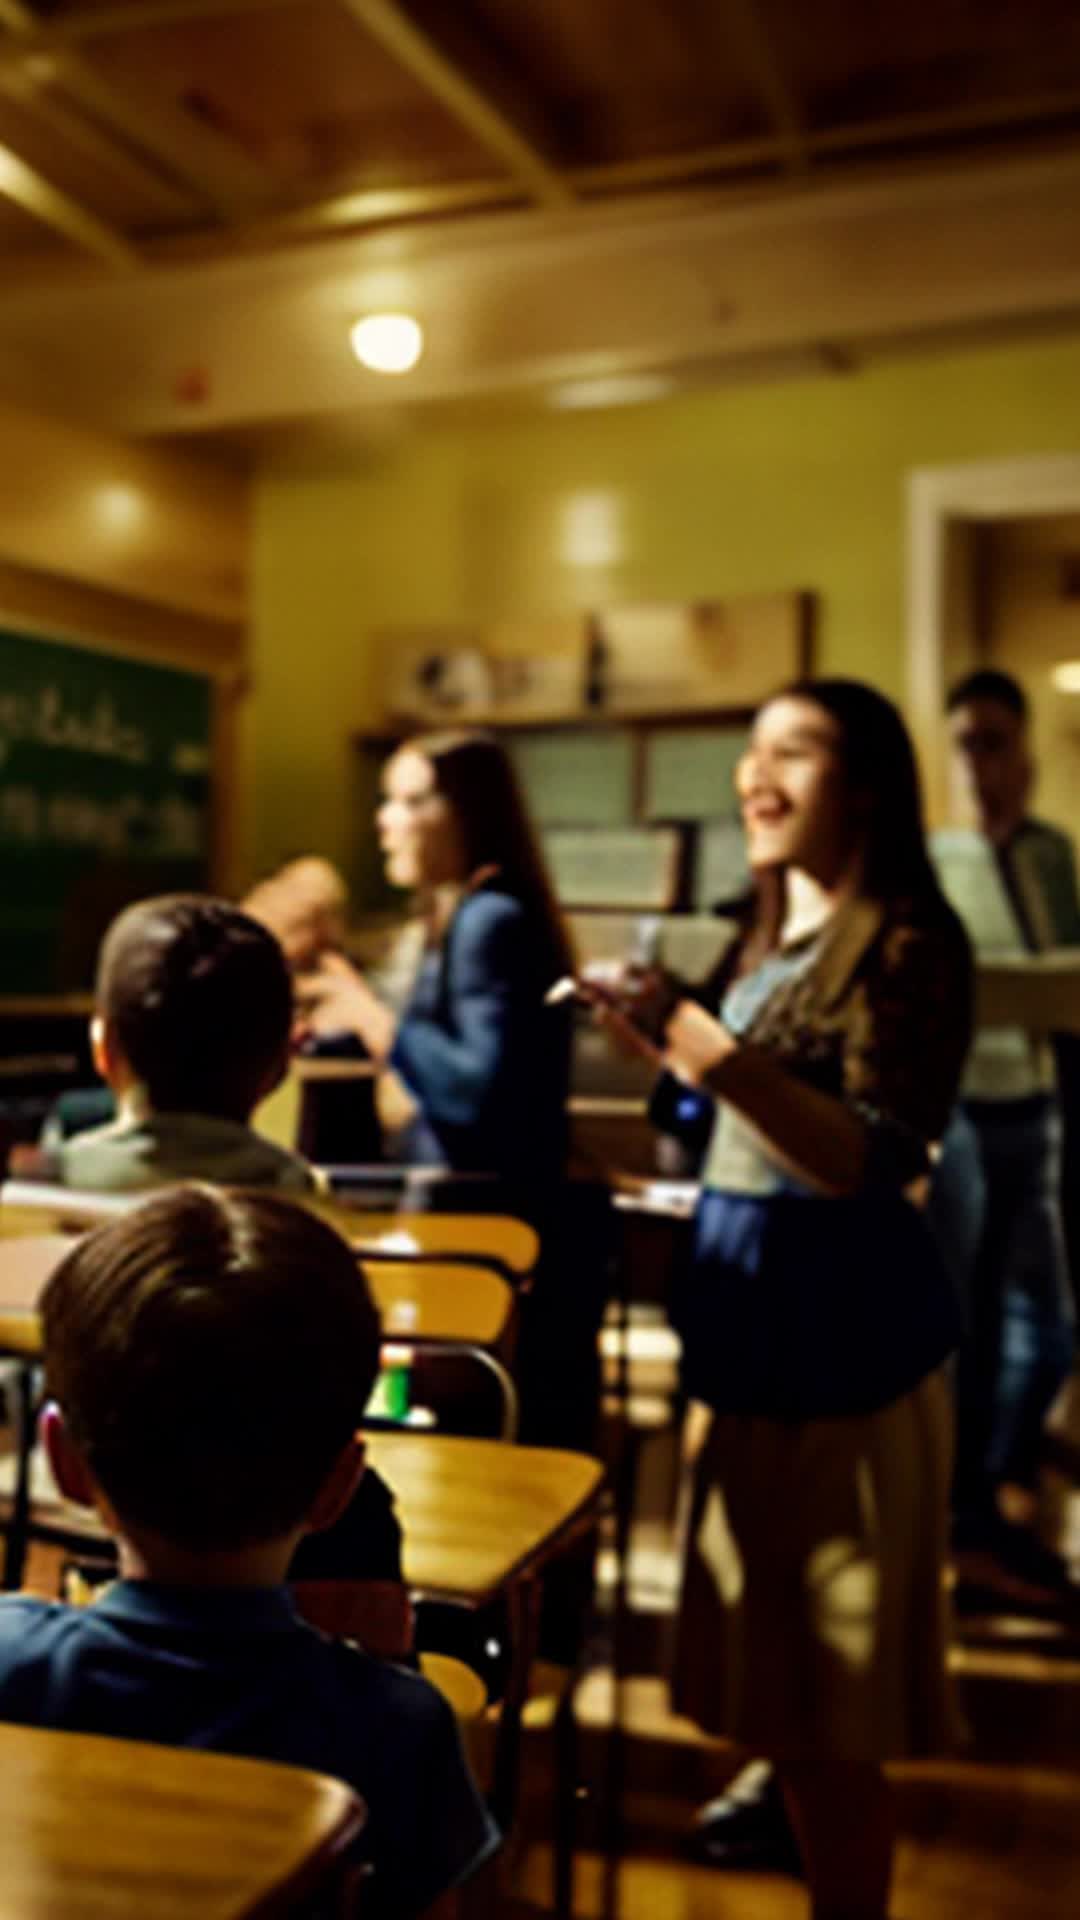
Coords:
pixel 194 1004
pixel 211 1354
pixel 303 905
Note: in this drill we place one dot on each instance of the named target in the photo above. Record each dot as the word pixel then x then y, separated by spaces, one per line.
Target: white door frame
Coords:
pixel 939 501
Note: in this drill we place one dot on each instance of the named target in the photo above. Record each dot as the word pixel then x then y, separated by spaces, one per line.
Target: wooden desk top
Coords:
pixel 422 1301
pixel 98 1829
pixel 25 1265
pixel 498 1238
pixel 476 1514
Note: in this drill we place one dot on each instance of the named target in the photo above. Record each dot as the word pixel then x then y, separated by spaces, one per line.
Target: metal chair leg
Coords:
pixel 564 1835
pixel 487 1361
pixel 523 1611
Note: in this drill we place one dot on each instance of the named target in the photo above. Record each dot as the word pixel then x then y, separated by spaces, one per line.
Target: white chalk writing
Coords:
pixel 46 719
pixel 170 828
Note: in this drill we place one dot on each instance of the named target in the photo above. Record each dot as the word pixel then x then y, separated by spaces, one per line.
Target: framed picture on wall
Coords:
pixel 686 656
pixel 513 673
pixel 657 658
pixel 435 676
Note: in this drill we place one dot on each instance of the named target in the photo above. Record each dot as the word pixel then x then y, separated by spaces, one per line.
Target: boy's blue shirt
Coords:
pixel 237 1671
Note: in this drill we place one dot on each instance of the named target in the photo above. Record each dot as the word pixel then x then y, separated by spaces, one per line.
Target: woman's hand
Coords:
pixel 616 1000
pixel 696 1043
pixel 643 996
pixel 335 998
pixel 625 1037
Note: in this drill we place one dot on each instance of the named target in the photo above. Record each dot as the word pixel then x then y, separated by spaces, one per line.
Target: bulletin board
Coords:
pixel 105 796
pixel 690 771
pixel 576 777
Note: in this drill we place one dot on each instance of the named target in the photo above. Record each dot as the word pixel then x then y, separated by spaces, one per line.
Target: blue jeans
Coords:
pixel 996 1209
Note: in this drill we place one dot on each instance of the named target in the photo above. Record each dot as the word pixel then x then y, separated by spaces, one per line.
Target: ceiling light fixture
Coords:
pixel 616 390
pixel 119 508
pixel 387 342
pixel 1066 677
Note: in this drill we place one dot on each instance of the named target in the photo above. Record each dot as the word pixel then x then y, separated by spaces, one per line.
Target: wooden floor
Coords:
pixel 992 1833
pixel 983 1836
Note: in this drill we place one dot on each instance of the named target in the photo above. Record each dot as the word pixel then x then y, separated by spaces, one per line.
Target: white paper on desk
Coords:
pixel 676 1197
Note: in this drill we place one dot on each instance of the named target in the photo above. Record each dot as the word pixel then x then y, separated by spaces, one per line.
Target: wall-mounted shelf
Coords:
pixel 655 751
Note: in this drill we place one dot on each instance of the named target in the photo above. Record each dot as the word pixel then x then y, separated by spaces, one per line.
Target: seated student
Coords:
pixel 194 1007
pixel 194 1004
pixel 302 905
pixel 209 1358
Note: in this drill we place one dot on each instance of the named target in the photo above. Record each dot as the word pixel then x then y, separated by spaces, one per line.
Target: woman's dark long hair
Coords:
pixel 881 771
pixel 475 775
pixel 882 774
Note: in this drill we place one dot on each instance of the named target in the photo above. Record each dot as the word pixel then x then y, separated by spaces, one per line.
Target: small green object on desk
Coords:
pixel 391 1395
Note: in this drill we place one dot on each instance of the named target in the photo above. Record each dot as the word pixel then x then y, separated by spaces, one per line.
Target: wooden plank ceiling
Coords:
pixel 139 135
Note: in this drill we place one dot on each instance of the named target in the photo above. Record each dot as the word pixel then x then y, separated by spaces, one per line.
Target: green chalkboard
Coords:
pixel 105 796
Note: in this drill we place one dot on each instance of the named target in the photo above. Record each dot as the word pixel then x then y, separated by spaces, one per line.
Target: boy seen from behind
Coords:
pixel 208 1359
pixel 191 1032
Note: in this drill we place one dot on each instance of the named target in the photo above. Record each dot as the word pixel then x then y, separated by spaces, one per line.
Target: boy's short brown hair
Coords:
pixel 212 1353
pixel 199 998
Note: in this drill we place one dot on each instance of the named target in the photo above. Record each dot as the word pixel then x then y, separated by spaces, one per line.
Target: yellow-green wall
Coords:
pixel 789 485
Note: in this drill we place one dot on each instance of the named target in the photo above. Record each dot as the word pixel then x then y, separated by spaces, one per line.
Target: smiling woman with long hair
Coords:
pixel 815 1315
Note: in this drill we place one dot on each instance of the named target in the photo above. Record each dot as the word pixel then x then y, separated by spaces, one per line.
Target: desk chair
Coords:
pixel 466 1693
pixel 500 1241
pixel 452 1318
pixel 380 1617
pixel 379 1185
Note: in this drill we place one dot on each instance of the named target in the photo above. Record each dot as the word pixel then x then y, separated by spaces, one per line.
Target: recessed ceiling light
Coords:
pixel 119 508
pixel 387 342
pixel 618 390
pixel 1066 677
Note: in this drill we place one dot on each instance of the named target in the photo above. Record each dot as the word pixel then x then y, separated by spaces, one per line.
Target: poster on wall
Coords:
pixel 105 797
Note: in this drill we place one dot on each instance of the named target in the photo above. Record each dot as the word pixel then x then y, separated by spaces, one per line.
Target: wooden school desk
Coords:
pixel 98 1829
pixel 426 1305
pixel 479 1517
pixel 482 1520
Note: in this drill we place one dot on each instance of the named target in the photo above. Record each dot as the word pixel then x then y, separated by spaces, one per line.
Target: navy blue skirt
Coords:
pixel 797 1306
